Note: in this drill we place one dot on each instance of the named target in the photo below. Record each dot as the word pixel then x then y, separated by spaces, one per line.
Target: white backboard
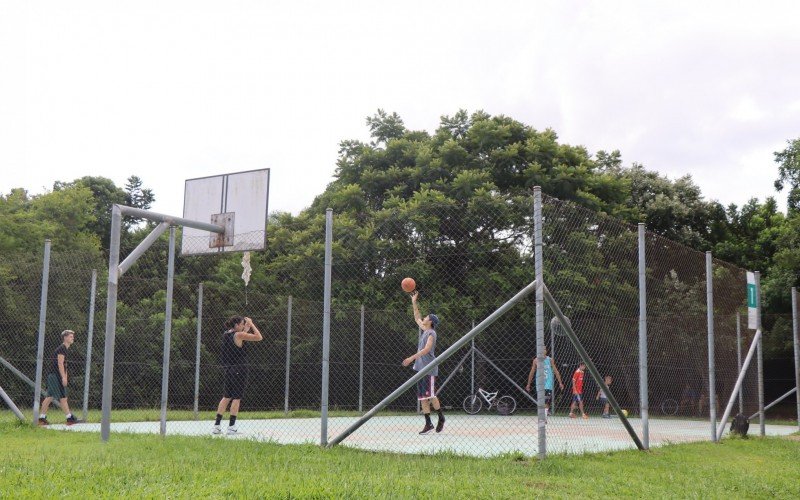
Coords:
pixel 239 200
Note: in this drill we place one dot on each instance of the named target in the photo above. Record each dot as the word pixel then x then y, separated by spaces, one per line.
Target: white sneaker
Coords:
pixel 232 431
pixel 216 430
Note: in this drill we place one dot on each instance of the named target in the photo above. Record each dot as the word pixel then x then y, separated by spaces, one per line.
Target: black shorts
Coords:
pixel 548 396
pixel 54 388
pixel 235 382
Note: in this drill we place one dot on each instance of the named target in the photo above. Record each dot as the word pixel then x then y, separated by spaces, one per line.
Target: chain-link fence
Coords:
pixel 468 260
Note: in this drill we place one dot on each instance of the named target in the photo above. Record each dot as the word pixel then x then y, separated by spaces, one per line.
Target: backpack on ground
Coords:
pixel 740 425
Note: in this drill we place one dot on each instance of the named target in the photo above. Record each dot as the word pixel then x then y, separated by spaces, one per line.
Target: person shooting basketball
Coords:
pixel 234 360
pixel 426 352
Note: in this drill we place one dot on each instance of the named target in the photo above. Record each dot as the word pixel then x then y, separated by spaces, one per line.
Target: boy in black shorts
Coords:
pixel 57 379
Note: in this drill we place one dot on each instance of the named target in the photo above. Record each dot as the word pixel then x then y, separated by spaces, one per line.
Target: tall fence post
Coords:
pixel 197 351
pixel 712 381
pixel 796 353
pixel 739 357
pixel 540 357
pixel 361 364
pixel 167 331
pixel 37 389
pixel 288 354
pixel 760 361
pixel 643 387
pixel 326 326
pixel 89 334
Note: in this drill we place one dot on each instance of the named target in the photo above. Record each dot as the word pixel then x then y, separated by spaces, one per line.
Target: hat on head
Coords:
pixel 434 319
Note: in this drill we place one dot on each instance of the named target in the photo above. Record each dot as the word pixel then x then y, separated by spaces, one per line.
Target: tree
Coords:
pixel 105 194
pixel 788 162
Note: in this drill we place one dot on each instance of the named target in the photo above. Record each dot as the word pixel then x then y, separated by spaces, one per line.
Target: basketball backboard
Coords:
pixel 237 201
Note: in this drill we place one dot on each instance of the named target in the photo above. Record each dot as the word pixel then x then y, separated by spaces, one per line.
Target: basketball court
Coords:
pixel 478 436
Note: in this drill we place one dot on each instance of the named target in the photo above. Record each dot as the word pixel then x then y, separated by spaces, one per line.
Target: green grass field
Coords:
pixel 38 462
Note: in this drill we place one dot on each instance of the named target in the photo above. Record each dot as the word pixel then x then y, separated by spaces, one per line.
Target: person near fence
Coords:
pixel 550 368
pixel 234 361
pixel 577 391
pixel 426 352
pixel 602 397
pixel 58 379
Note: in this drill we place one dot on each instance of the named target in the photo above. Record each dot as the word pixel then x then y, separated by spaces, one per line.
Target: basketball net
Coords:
pixel 247 270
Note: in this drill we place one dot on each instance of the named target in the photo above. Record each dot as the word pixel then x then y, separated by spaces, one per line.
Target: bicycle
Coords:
pixel 505 405
pixel 669 407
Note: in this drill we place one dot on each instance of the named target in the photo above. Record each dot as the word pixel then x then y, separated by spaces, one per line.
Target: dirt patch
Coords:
pixel 795 437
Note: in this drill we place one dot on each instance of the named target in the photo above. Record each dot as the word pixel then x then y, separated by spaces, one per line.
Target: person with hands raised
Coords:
pixel 234 362
pixel 426 352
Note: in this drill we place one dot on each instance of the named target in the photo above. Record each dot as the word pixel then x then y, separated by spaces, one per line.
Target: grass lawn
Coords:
pixel 38 462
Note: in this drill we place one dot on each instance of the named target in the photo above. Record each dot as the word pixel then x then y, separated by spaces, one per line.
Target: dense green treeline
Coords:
pixel 452 208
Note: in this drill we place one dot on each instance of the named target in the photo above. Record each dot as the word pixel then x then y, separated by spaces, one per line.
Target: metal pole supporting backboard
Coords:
pixel 167 331
pixel 114 272
pixel 326 326
pixel 796 353
pixel 540 357
pixel 111 321
pixel 197 351
pixel 288 354
pixel 37 389
pixel 643 386
pixel 712 383
pixel 89 335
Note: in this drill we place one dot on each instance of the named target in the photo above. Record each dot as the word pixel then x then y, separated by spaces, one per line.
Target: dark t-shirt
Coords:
pixel 232 355
pixel 62 349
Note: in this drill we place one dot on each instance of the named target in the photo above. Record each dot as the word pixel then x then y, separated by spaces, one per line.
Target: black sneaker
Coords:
pixel 426 429
pixel 73 420
pixel 440 424
pixel 43 421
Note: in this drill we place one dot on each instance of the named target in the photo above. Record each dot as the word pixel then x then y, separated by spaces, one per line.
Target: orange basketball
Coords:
pixel 408 285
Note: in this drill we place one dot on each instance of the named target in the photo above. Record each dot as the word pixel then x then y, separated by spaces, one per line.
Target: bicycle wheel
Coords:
pixel 472 404
pixel 669 407
pixel 506 405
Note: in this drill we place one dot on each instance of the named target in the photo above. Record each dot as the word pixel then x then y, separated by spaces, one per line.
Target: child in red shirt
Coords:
pixel 577 391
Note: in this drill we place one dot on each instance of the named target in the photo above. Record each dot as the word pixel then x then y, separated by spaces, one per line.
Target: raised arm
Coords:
pixel 417 316
pixel 251 333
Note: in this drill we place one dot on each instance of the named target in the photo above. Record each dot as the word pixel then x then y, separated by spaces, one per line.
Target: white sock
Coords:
pixel 42 415
pixel 70 415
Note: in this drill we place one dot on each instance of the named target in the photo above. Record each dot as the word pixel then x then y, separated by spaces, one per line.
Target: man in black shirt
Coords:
pixel 57 379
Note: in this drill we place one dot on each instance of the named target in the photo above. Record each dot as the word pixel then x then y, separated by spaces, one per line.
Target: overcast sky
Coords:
pixel 170 90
